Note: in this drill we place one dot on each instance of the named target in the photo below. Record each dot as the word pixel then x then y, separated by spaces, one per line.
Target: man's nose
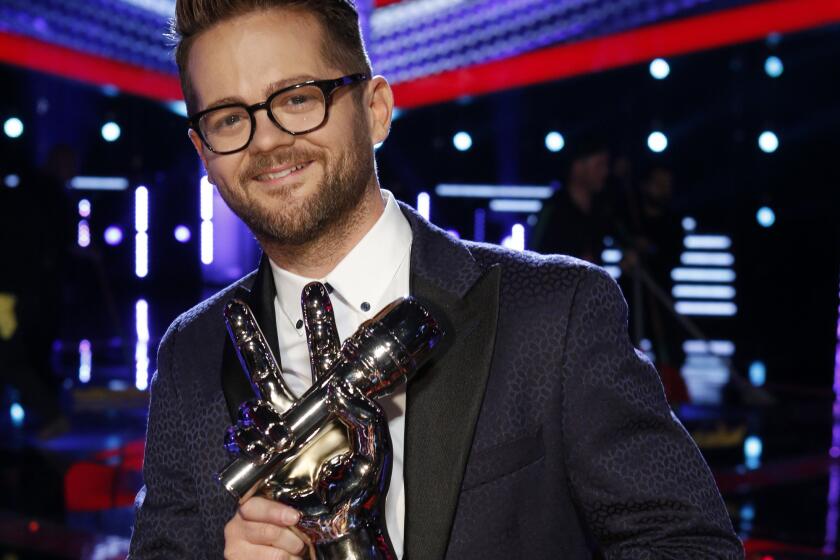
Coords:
pixel 267 135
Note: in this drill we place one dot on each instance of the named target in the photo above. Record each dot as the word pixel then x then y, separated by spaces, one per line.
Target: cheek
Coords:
pixel 224 169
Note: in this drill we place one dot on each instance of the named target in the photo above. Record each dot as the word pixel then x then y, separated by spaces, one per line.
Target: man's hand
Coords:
pixel 263 529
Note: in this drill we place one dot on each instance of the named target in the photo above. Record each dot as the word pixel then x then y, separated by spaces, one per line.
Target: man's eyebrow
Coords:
pixel 269 89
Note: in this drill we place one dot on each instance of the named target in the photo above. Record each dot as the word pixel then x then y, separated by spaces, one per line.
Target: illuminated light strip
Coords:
pixel 517 235
pixel 83 233
pixel 85 361
pixel 141 350
pixel 716 347
pixel 206 213
pixel 508 205
pixel 703 291
pixel 681 36
pixel 671 38
pixel 479 224
pixel 703 275
pixel 708 308
pixel 424 204
pixel 707 242
pixel 82 183
pixel 493 191
pixel 141 228
pixel 613 271
pixel 611 256
pixel 833 506
pixel 707 259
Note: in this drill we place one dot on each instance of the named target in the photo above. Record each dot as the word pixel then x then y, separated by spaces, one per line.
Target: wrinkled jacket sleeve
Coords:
pixel 636 475
pixel 167 523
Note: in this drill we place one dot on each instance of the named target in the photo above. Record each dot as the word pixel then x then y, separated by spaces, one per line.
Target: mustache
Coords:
pixel 280 158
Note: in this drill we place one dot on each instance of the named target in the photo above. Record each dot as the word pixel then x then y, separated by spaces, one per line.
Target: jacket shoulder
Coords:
pixel 530 272
pixel 207 313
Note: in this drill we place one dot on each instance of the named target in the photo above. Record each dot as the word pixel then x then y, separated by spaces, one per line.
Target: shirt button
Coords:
pixel 299 323
pixel 365 306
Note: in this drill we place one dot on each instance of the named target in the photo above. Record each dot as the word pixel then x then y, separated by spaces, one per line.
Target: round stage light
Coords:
pixel 182 234
pixel 689 223
pixel 758 373
pixel 765 216
pixel 113 235
pixel 657 142
pixel 462 141
pixel 659 68
pixel 17 414
pixel 554 141
pixel 753 447
pixel 111 131
pixel 773 66
pixel 768 142
pixel 12 181
pixel 13 127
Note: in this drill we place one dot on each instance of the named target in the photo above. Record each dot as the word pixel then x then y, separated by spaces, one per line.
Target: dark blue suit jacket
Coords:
pixel 537 431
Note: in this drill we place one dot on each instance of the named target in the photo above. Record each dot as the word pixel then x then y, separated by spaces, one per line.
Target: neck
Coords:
pixel 319 256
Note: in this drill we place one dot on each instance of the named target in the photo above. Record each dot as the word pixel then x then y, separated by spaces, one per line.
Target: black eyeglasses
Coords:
pixel 296 109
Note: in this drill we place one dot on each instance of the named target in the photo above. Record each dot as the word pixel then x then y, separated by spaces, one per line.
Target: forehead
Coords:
pixel 240 57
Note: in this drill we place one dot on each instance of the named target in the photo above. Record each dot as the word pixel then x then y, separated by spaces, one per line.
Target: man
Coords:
pixel 536 431
pixel 576 219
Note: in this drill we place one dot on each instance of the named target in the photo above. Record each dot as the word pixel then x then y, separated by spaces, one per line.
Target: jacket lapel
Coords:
pixel 443 402
pixel 260 298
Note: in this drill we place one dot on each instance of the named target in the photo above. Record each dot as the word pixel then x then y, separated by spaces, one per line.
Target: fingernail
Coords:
pixel 290 516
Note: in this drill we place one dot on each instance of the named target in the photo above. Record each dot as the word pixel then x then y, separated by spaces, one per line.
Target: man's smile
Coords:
pixel 281 174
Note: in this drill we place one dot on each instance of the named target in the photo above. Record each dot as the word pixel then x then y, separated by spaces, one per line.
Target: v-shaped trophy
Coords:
pixel 328 453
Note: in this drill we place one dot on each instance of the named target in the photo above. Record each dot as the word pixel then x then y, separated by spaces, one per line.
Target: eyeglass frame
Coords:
pixel 327 87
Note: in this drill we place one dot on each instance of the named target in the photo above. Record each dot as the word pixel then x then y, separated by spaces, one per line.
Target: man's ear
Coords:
pixel 198 145
pixel 380 108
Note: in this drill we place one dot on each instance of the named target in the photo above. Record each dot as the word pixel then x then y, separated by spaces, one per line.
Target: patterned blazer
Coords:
pixel 537 431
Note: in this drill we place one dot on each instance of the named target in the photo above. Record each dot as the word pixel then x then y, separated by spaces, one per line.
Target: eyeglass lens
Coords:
pixel 298 110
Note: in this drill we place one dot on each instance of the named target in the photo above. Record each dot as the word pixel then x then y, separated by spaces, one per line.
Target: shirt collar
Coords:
pixel 363 275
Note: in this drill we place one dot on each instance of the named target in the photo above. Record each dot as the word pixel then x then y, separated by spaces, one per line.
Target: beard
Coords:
pixel 332 204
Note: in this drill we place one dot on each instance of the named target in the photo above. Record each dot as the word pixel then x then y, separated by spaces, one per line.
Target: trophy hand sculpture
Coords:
pixel 342 503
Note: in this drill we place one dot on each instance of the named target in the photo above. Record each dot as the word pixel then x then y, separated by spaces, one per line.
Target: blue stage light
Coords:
pixel 182 234
pixel 111 131
pixel 765 216
pixel 689 223
pixel 12 181
pixel 17 414
pixel 768 142
pixel 657 142
pixel 554 141
pixel 753 447
pixel 773 66
pixel 659 69
pixel 462 141
pixel 113 235
pixel 758 373
pixel 13 127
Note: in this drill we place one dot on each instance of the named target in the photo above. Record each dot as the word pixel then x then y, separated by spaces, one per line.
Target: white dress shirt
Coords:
pixel 372 275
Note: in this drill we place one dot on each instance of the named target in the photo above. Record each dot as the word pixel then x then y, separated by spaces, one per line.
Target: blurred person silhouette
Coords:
pixel 651 235
pixel 577 218
pixel 36 231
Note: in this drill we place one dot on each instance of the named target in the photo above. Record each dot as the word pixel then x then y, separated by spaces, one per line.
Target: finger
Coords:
pixel 255 355
pixel 272 535
pixel 264 510
pixel 247 551
pixel 321 332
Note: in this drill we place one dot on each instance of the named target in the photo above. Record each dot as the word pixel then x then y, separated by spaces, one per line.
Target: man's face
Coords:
pixel 244 60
